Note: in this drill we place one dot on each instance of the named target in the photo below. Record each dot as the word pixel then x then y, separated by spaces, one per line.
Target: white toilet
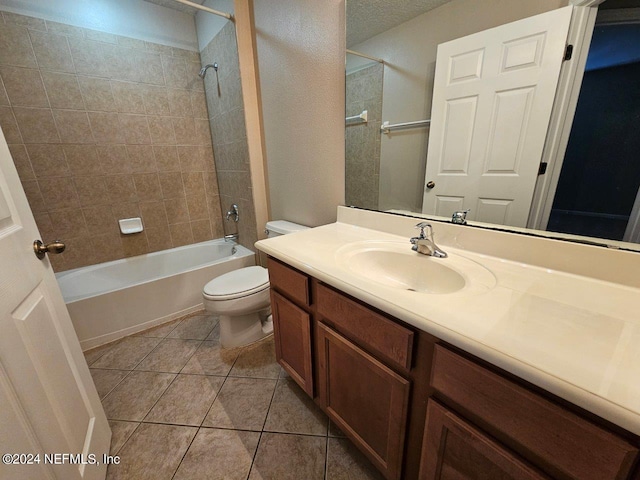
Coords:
pixel 241 298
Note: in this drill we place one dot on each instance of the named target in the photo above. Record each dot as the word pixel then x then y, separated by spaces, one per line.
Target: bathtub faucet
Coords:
pixel 232 237
pixel 233 212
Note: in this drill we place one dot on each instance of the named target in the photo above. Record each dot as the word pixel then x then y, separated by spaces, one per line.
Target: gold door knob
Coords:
pixel 54 247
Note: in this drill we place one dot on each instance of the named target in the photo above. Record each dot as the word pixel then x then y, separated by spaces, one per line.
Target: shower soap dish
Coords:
pixel 131 225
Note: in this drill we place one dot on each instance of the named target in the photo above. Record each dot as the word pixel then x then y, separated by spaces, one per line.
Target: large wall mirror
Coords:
pixel 401 160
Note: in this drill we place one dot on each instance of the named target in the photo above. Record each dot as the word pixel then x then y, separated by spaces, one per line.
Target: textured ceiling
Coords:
pixel 177 6
pixel 368 18
pixel 365 18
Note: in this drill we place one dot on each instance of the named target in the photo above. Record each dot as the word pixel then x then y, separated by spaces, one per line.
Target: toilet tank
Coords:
pixel 276 228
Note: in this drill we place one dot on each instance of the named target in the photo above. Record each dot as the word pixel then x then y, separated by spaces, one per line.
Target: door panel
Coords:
pixel 366 399
pixel 292 333
pixel 492 101
pixel 51 402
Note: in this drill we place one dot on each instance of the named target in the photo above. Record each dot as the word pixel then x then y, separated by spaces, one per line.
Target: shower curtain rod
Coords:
pixel 206 9
pixel 353 52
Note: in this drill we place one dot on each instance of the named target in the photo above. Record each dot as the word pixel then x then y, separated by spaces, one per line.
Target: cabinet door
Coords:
pixel 453 449
pixel 292 333
pixel 366 399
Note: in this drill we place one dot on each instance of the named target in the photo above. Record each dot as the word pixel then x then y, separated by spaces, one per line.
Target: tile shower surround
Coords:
pixel 103 127
pixel 362 141
pixel 226 116
pixel 180 407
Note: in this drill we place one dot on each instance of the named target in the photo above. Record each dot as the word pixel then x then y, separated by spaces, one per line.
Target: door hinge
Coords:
pixel 542 169
pixel 568 52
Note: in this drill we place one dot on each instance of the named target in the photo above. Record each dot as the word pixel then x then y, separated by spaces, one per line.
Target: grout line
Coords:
pixel 185 453
pixel 128 437
pixel 214 401
pixel 273 395
pixel 159 397
pixel 255 454
pixel 326 458
pixel 116 385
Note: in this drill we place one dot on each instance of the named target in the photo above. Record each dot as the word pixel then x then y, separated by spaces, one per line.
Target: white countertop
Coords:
pixel 574 336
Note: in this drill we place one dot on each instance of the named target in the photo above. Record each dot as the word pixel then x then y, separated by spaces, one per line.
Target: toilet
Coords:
pixel 241 298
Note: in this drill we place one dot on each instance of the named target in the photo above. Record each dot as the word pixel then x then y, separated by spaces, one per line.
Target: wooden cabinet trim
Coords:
pixel 560 442
pixel 441 423
pixel 391 463
pixel 303 322
pixel 289 281
pixel 374 332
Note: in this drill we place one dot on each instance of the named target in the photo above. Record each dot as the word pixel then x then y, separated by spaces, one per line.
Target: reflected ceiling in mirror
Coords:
pixel 597 192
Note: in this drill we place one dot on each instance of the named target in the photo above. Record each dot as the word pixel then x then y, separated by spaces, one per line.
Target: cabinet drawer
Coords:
pixel 558 441
pixel 387 339
pixel 289 281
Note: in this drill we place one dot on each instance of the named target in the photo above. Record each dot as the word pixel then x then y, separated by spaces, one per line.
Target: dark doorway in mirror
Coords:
pixel 600 178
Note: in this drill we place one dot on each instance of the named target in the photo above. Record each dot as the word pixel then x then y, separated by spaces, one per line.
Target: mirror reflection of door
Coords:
pixel 598 191
pixel 492 101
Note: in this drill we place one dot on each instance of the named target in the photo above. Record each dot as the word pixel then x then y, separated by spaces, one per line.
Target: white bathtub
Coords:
pixel 114 299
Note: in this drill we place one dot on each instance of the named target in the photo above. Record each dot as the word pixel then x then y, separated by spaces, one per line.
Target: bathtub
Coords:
pixel 114 299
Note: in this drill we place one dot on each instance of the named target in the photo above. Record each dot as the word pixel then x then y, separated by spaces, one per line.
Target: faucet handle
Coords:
pixel 422 226
pixel 460 216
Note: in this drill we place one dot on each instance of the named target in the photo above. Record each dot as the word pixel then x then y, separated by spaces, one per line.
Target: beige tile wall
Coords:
pixel 103 127
pixel 226 117
pixel 362 141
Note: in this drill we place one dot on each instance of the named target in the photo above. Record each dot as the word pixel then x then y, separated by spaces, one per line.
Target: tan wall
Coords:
pixel 300 46
pixel 103 127
pixel 410 50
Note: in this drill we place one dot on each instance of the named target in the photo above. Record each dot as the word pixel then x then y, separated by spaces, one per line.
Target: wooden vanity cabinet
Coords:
pixel 455 449
pixel 292 323
pixel 366 399
pixel 555 439
pixel 420 409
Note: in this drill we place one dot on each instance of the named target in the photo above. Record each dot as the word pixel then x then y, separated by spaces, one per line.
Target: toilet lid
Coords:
pixel 238 283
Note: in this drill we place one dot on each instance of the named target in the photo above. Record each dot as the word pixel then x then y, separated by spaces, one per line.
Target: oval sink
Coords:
pixel 395 265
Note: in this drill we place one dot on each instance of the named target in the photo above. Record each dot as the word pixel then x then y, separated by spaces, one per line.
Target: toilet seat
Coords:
pixel 237 284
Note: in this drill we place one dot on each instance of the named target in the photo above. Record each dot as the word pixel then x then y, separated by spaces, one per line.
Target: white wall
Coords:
pixel 410 50
pixel 208 25
pixel 301 47
pixel 131 18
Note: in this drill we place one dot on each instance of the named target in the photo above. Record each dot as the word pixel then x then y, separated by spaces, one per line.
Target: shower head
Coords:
pixel 203 70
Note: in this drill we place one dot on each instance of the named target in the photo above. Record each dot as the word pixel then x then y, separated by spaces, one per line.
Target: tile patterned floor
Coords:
pixel 181 407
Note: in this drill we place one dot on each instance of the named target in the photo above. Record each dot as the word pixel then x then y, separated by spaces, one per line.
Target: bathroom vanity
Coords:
pixel 434 385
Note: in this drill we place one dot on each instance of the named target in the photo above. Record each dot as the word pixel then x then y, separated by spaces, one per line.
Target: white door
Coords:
pixel 48 402
pixel 493 94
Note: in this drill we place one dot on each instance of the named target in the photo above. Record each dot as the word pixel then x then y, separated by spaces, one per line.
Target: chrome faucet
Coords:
pixel 232 237
pixel 233 212
pixel 424 243
pixel 460 217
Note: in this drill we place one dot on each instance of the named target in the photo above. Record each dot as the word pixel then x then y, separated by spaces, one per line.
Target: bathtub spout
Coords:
pixel 232 237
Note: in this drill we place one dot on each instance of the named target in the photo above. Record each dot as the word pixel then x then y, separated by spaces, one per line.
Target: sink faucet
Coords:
pixel 460 217
pixel 424 243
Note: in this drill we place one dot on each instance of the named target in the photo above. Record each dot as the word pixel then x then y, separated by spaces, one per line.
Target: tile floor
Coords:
pixel 181 407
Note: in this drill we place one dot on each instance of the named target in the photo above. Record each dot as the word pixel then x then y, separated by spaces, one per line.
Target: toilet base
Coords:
pixel 241 330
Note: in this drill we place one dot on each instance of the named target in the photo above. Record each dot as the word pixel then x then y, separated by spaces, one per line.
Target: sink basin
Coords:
pixel 395 265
